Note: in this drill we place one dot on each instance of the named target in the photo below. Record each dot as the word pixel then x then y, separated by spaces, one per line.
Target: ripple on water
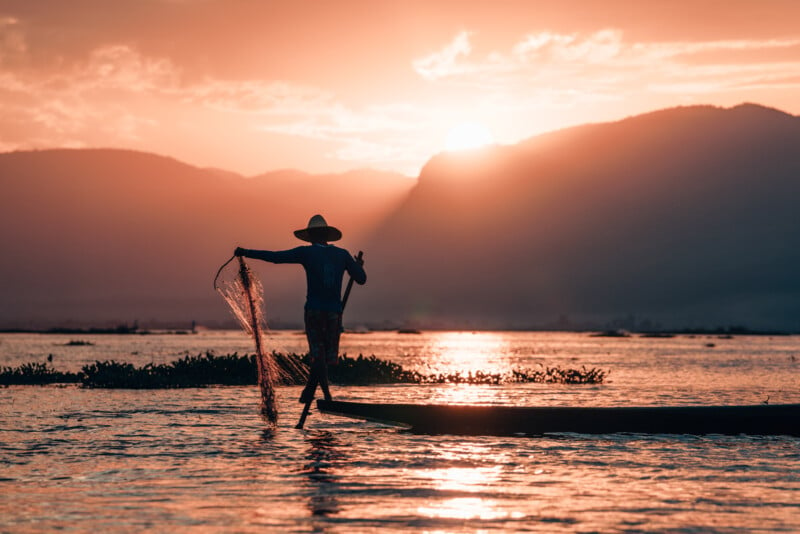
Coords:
pixel 178 459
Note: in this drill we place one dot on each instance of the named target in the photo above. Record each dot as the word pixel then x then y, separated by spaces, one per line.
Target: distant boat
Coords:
pixel 612 333
pixel 760 419
pixel 361 329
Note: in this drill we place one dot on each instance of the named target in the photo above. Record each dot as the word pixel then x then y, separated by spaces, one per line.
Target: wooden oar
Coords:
pixel 307 407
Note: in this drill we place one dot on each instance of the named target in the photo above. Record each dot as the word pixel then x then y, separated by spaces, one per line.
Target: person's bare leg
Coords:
pixel 323 380
pixel 311 387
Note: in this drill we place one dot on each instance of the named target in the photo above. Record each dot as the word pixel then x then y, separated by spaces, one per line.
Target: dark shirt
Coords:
pixel 325 266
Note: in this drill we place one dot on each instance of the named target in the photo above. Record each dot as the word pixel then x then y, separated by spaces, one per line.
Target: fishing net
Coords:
pixel 243 292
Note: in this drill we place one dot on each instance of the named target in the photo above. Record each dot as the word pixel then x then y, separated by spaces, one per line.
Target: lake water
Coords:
pixel 200 459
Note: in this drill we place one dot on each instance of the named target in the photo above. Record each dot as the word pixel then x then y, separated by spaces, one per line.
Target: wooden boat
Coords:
pixel 760 419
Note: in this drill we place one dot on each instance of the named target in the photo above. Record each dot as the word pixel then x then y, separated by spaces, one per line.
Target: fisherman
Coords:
pixel 325 266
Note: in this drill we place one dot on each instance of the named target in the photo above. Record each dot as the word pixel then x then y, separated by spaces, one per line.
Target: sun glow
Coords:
pixel 469 484
pixel 468 136
pixel 468 351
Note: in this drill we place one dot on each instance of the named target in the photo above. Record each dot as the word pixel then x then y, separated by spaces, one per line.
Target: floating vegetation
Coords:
pixel 36 374
pixel 190 371
pixel 583 375
pixel 545 375
pixel 369 370
pixel 238 370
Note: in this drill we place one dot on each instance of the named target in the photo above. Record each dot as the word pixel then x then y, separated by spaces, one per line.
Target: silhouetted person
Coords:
pixel 325 266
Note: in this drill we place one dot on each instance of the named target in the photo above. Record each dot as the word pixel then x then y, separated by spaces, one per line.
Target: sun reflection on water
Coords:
pixel 468 508
pixel 463 478
pixel 462 353
pixel 474 481
pixel 468 351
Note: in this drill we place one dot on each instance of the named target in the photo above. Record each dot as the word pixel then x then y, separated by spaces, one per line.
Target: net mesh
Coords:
pixel 242 290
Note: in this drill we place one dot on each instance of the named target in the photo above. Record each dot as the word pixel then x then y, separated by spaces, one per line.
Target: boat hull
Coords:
pixel 762 419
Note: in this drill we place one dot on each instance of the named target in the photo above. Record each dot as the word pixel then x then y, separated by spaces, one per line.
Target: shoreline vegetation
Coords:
pixel 240 370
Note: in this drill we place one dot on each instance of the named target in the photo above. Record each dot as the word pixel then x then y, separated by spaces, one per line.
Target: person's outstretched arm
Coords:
pixel 280 256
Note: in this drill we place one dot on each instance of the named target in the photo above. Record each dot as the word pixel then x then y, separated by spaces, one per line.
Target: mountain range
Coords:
pixel 685 217
pixel 108 236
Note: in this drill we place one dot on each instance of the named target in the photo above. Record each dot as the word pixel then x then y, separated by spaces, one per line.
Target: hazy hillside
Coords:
pixel 687 216
pixel 95 236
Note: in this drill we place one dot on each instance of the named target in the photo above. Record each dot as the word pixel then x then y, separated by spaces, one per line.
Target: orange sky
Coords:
pixel 252 86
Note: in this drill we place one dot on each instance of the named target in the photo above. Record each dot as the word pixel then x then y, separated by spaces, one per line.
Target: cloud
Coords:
pixel 599 47
pixel 116 95
pixel 256 96
pixel 382 136
pixel 332 120
pixel 12 40
pixel 81 104
pixel 677 49
pixel 121 67
pixel 603 62
pixel 445 62
pixel 122 93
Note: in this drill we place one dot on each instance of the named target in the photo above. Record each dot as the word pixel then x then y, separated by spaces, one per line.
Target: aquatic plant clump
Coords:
pixel 191 371
pixel 34 373
pixel 557 375
pixel 545 375
pixel 369 370
pixel 238 370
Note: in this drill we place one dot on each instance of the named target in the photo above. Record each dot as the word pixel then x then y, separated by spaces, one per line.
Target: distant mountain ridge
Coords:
pixel 684 216
pixel 96 236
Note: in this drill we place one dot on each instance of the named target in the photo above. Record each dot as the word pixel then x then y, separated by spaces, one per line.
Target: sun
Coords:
pixel 468 136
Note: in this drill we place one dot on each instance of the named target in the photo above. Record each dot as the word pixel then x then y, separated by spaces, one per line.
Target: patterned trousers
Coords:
pixel 323 329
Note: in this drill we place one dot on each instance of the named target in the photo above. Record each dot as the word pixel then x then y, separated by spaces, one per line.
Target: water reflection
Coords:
pixel 470 394
pixel 465 351
pixel 469 479
pixel 323 453
pixel 470 486
pixel 186 466
pixel 468 508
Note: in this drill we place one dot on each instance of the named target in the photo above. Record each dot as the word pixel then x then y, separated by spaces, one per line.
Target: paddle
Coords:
pixel 307 407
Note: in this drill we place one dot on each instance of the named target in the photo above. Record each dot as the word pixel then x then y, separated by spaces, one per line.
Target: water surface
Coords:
pixel 176 459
